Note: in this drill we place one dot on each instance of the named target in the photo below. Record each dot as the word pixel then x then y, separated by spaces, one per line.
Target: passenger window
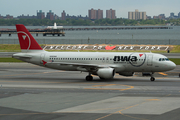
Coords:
pixel 159 59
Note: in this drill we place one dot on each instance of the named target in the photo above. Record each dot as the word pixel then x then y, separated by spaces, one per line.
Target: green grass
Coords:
pixel 9 48
pixel 9 60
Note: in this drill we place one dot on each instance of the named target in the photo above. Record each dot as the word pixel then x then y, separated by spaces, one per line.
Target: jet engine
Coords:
pixel 106 73
pixel 126 73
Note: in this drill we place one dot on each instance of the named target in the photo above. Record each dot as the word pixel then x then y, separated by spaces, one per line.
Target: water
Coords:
pixel 146 36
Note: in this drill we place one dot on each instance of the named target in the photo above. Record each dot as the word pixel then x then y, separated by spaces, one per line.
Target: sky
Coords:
pixel 81 7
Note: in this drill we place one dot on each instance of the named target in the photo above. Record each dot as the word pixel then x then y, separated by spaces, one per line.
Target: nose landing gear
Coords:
pixel 152 77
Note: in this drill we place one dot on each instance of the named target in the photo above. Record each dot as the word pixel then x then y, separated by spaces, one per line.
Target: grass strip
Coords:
pixel 9 60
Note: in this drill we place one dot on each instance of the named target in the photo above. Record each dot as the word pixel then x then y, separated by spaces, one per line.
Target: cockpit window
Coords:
pixel 167 59
pixel 163 59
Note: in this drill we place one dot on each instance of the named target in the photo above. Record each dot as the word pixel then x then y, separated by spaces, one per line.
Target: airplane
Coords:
pixel 102 64
pixel 55 27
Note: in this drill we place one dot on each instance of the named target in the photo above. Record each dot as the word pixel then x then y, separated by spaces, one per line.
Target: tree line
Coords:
pixel 81 22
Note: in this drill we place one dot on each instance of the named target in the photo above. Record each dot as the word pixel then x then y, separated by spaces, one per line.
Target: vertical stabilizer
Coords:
pixel 26 40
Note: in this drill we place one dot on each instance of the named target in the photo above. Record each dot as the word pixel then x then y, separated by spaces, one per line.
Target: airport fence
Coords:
pixel 99 41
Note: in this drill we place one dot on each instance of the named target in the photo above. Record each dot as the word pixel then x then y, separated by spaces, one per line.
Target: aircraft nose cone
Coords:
pixel 172 65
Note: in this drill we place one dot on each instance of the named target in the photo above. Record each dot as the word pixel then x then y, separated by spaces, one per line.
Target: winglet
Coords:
pixel 26 40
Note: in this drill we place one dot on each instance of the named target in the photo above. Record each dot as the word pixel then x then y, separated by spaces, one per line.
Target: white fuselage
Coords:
pixel 120 61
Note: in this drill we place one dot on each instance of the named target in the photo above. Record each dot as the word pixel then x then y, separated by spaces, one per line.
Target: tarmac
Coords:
pixel 31 92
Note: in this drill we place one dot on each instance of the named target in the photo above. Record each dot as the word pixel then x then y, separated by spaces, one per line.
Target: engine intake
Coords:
pixel 106 73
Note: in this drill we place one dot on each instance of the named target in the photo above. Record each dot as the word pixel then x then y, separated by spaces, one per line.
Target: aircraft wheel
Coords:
pixel 89 78
pixel 152 79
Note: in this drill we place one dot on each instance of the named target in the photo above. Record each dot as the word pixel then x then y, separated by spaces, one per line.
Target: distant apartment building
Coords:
pixel 137 15
pixel 148 17
pixel 50 15
pixel 99 14
pixel 92 14
pixel 40 14
pixel 111 14
pixel 161 16
pixel 1 17
pixel 95 14
pixel 172 14
pixel 63 15
pixel 27 16
pixel 8 17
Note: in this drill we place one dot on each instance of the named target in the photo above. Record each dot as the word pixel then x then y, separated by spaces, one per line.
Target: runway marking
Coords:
pixel 120 111
pixel 128 87
pixel 153 99
pixel 162 73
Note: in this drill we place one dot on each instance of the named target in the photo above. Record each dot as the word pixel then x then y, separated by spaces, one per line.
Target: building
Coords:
pixel 63 15
pixel 137 15
pixel 148 17
pixel 50 15
pixel 56 17
pixel 92 14
pixel 111 14
pixel 99 14
pixel 161 16
pixel 95 14
pixel 8 17
pixel 179 15
pixel 171 14
pixel 40 14
pixel 1 17
pixel 26 17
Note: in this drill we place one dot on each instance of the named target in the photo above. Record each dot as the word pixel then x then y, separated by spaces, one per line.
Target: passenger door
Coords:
pixel 150 60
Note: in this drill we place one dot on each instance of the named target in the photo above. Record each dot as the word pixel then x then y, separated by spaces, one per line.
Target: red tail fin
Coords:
pixel 26 40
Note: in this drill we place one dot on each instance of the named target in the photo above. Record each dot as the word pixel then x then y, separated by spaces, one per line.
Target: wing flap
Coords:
pixel 82 65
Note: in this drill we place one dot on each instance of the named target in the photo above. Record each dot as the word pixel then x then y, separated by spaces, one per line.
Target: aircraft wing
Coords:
pixel 88 67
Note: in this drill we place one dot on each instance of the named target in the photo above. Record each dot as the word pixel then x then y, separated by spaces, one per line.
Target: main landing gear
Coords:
pixel 89 77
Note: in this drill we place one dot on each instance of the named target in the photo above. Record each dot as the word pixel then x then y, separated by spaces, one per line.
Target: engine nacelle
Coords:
pixel 126 73
pixel 106 73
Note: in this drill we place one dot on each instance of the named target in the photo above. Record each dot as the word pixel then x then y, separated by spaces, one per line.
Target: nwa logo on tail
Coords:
pixel 26 40
pixel 135 59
